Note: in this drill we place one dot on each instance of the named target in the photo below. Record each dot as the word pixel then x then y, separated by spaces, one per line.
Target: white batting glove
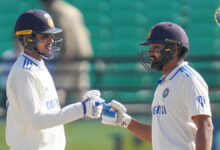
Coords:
pixel 114 113
pixel 92 104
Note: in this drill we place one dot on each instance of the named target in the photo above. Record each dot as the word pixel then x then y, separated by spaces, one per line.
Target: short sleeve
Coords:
pixel 197 96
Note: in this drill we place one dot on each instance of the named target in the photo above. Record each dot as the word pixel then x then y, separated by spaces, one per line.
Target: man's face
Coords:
pixel 155 50
pixel 44 43
pixel 155 56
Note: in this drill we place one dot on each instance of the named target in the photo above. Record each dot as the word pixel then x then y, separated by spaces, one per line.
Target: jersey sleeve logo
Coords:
pixel 201 100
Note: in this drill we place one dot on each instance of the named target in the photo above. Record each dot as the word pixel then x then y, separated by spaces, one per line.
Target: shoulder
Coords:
pixel 187 71
pixel 19 77
pixel 28 64
pixel 23 65
pixel 191 77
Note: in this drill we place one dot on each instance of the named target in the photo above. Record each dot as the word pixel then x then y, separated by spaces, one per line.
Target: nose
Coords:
pixel 150 52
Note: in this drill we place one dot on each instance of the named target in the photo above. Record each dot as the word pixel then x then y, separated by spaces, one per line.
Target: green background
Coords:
pixel 92 135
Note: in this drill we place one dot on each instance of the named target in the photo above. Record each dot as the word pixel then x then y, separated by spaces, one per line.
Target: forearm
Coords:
pixel 204 133
pixel 67 114
pixel 142 131
pixel 204 138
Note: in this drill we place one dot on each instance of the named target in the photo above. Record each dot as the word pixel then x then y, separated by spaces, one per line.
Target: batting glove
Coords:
pixel 114 113
pixel 92 104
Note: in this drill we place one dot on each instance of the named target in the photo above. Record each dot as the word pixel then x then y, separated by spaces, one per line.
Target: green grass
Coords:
pixel 92 135
pixel 3 145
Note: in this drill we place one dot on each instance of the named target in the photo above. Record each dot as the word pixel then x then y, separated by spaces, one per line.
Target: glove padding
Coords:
pixel 114 113
pixel 92 104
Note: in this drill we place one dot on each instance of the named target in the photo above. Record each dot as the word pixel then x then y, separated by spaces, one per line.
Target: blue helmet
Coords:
pixel 167 33
pixel 36 21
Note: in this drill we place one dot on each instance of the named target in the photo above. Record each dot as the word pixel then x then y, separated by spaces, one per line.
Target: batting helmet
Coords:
pixel 167 33
pixel 36 21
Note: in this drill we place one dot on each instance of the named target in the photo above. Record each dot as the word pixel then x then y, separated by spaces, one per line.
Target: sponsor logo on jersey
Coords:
pixel 159 109
pixel 51 104
pixel 201 100
pixel 165 92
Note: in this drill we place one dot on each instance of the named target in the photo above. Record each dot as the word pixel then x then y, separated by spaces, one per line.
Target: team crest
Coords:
pixel 149 34
pixel 165 92
pixel 49 20
pixel 217 16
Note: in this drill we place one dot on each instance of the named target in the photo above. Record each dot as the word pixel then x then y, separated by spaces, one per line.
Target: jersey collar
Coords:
pixel 173 73
pixel 34 60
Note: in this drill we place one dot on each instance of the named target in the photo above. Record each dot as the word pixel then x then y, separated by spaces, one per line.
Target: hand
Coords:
pixel 115 114
pixel 92 104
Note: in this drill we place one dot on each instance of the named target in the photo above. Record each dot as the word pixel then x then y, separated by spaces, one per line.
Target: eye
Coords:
pixel 46 36
pixel 156 48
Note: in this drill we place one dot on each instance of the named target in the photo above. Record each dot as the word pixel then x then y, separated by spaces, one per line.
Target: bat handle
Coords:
pixel 100 102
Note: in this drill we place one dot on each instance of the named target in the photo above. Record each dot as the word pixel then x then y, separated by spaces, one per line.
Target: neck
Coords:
pixel 170 66
pixel 33 54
